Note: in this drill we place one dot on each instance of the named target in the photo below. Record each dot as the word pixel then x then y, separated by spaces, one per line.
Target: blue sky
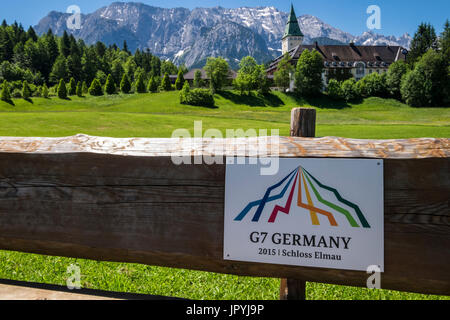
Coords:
pixel 397 16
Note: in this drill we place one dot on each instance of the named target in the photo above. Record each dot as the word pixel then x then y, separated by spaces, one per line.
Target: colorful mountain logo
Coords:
pixel 308 183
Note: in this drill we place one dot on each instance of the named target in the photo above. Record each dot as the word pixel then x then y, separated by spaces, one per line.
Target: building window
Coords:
pixel 360 69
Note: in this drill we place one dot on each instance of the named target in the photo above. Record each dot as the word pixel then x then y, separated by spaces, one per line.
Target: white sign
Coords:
pixel 325 213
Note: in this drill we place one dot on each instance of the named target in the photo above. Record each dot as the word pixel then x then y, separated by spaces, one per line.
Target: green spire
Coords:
pixel 292 27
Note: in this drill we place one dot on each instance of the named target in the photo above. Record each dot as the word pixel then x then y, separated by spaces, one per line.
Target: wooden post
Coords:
pixel 303 124
pixel 292 289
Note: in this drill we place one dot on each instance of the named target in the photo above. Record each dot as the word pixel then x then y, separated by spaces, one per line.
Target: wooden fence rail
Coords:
pixel 124 200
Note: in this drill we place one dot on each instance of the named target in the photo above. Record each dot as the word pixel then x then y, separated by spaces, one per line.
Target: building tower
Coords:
pixel 293 36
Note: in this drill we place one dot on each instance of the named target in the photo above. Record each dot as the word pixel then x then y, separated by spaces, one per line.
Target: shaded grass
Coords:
pixel 157 115
pixel 137 278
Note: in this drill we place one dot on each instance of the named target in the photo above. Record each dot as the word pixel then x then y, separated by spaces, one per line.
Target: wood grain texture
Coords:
pixel 303 122
pixel 96 201
pixel 327 147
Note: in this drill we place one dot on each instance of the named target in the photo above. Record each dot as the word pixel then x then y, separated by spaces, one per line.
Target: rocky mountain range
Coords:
pixel 190 36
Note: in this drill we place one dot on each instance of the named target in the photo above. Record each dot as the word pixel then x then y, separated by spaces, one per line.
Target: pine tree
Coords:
pixel 79 90
pixel 110 86
pixel 5 94
pixel 84 88
pixel 140 85
pixel 198 82
pixel 184 94
pixel 166 84
pixel 424 39
pixel 59 70
pixel 72 87
pixel 180 80
pixel 125 85
pixel 26 92
pixel 31 34
pixel 444 40
pixel 125 47
pixel 64 45
pixel 45 91
pixel 153 85
pixel 62 90
pixel 96 88
pixel 6 46
pixel 51 46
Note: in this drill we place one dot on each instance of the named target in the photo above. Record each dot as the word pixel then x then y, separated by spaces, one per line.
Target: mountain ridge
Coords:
pixel 189 36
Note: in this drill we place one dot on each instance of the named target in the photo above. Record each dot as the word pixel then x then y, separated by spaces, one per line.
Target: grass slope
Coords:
pixel 157 115
pixel 152 115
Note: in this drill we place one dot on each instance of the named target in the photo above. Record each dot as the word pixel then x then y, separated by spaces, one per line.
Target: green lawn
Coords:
pixel 157 115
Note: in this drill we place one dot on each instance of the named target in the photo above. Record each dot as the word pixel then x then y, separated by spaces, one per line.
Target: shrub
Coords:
pixel 282 77
pixel 62 90
pixel 334 89
pixel 45 92
pixel 96 88
pixel 396 72
pixel 196 97
pixel 428 83
pixel 26 92
pixel 79 90
pixel 308 74
pixel 72 87
pixel 110 86
pixel 101 76
pixel 5 94
pixel 349 90
pixel 217 70
pixel 16 94
pixel 372 85
pixel 38 92
pixel 125 84
pixel 84 88
pixel 414 88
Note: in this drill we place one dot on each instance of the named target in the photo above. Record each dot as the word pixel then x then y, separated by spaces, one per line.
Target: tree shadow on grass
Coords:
pixel 10 102
pixel 322 102
pixel 28 100
pixel 252 99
